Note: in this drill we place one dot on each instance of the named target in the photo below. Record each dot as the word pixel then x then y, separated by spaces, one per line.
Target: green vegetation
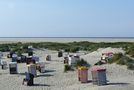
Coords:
pixel 19 48
pixel 130 66
pixel 120 59
pixel 69 47
pixel 116 58
pixel 130 50
pixel 82 62
pixel 67 68
pixel 99 63
pixel 79 63
pixel 60 54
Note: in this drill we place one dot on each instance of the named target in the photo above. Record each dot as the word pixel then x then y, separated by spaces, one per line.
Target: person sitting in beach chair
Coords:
pixel 38 67
pixel 28 81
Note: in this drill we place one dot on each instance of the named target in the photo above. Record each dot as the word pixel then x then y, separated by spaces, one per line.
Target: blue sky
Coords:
pixel 67 18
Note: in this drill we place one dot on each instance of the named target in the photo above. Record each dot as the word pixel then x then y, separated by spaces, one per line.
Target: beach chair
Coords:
pixel 40 66
pixel 23 59
pixel 3 65
pixel 99 76
pixel 30 51
pixel 48 57
pixel 83 74
pixel 60 54
pixel 32 69
pixel 65 60
pixel 13 68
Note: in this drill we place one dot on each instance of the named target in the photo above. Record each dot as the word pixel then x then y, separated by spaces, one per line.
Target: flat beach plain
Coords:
pixel 65 39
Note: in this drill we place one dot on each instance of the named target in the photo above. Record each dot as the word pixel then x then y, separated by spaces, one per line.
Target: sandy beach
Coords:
pixel 63 39
pixel 119 77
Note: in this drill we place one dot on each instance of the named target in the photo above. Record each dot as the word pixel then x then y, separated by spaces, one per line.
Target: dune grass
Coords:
pixel 120 59
pixel 69 47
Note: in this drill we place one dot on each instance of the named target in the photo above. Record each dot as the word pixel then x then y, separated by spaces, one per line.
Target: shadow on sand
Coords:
pixel 47 71
pixel 89 81
pixel 45 75
pixel 22 74
pixel 41 75
pixel 41 85
pixel 118 83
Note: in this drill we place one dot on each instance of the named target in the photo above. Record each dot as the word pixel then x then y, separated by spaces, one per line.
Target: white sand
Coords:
pixel 55 79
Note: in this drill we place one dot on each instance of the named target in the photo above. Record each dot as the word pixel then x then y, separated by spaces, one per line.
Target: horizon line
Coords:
pixel 66 37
